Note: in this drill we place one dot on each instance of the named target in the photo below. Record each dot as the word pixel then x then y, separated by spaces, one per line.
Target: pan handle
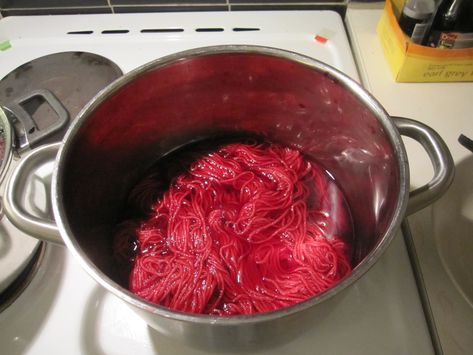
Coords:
pixel 36 227
pixel 440 157
pixel 30 134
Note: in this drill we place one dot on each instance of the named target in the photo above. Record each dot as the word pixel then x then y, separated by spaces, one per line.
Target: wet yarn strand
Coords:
pixel 247 229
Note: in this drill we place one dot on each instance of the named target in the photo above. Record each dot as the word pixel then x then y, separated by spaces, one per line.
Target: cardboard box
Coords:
pixel 411 62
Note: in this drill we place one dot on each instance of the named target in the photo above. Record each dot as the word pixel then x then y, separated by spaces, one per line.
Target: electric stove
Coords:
pixel 63 310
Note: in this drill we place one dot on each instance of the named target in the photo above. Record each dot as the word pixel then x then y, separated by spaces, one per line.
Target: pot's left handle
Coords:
pixel 36 227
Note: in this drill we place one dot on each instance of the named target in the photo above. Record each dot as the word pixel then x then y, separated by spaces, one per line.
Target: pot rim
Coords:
pixel 356 89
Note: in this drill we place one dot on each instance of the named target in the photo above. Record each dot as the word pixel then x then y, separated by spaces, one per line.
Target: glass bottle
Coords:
pixel 447 15
pixel 416 18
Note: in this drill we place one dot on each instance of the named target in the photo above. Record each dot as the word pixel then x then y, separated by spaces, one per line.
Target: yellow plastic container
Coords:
pixel 411 62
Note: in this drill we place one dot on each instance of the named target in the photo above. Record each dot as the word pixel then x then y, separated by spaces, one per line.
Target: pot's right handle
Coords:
pixel 440 156
pixel 36 227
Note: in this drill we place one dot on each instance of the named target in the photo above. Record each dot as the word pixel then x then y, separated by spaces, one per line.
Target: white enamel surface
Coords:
pixel 290 30
pixel 65 312
pixel 443 233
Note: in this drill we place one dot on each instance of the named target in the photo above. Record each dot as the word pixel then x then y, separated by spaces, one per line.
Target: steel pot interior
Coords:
pixel 285 97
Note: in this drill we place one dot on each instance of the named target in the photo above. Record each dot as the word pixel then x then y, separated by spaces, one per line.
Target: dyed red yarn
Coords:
pixel 248 229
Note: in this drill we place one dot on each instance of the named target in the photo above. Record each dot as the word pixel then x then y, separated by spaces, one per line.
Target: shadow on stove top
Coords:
pixel 22 321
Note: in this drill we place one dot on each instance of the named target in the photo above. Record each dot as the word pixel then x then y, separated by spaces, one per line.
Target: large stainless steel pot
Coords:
pixel 287 97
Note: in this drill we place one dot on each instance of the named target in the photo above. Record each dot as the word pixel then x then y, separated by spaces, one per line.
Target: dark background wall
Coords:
pixel 51 7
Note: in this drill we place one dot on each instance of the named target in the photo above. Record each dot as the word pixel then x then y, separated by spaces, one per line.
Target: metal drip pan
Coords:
pixel 71 78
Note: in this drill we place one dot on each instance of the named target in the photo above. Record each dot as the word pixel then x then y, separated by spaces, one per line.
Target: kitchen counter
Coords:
pixel 443 233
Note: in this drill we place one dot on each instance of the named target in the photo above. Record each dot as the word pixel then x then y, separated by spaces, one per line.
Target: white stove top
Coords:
pixel 64 311
pixel 124 42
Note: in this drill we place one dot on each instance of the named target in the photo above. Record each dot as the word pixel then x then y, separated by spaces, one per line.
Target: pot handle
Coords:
pixel 440 157
pixel 36 227
pixel 31 134
pixel 419 198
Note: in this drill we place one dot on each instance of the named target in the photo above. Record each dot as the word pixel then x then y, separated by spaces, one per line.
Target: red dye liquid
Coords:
pixel 243 229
